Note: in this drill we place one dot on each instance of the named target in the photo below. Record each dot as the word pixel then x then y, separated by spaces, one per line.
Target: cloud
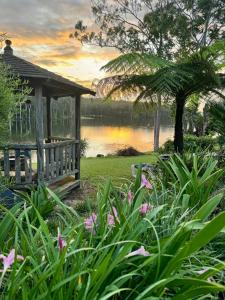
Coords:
pixel 40 32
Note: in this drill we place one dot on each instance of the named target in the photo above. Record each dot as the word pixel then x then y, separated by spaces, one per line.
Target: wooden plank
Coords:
pixel 57 162
pixel 53 180
pixel 65 189
pixel 52 163
pixel 57 138
pixel 73 156
pixel 57 144
pixel 61 160
pixel 39 132
pixel 17 167
pixel 66 159
pixel 47 173
pixel 6 163
pixel 49 119
pixel 69 158
pixel 28 166
pixel 77 134
pixel 19 147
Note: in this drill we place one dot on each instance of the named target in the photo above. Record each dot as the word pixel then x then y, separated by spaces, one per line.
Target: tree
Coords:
pixel 154 27
pixel 192 75
pixel 12 92
pixel 163 27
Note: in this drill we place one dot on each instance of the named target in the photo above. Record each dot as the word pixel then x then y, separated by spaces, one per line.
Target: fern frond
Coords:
pixel 135 63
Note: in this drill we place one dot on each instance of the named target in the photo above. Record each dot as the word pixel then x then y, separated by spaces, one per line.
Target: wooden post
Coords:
pixel 39 133
pixel 77 134
pixel 49 119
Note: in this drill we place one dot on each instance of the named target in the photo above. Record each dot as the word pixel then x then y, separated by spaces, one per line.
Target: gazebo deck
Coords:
pixel 20 164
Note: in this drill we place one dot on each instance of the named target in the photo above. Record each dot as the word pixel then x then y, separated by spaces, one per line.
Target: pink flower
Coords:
pixel 61 242
pixel 130 197
pixel 111 220
pixel 89 223
pixel 115 213
pixel 10 259
pixel 145 182
pixel 141 251
pixel 145 208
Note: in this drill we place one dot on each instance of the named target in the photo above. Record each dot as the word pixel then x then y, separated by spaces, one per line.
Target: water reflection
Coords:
pixel 104 134
pixel 107 139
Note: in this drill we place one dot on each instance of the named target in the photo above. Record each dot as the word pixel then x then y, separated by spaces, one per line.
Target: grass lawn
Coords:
pixel 97 170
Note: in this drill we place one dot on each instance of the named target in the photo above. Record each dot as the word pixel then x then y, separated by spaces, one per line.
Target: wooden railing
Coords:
pixel 60 159
pixel 17 161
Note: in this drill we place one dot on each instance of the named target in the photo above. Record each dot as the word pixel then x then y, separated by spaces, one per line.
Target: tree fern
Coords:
pixel 144 75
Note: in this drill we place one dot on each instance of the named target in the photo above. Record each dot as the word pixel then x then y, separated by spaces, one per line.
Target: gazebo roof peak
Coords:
pixel 55 84
pixel 8 49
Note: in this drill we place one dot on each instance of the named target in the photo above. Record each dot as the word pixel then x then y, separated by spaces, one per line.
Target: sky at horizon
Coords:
pixel 39 30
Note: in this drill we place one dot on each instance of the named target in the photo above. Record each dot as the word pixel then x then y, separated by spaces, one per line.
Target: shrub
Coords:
pixel 83 147
pixel 192 143
pixel 128 151
pixel 13 91
pixel 138 244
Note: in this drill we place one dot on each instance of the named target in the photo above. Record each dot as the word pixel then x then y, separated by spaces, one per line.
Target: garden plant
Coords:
pixel 143 240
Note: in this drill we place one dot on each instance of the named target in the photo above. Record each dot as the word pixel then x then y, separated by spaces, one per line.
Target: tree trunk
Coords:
pixel 178 136
pixel 157 123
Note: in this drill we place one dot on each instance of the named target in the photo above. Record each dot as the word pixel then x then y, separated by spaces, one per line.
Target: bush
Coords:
pixel 128 151
pixel 141 242
pixel 83 147
pixel 13 91
pixel 192 143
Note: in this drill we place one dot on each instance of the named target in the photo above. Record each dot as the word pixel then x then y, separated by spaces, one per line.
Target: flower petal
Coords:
pixel 141 251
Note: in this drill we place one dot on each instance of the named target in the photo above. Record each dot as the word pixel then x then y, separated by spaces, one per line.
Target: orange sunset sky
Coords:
pixel 39 30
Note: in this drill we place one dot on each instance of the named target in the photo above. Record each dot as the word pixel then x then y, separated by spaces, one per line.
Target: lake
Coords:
pixel 107 139
pixel 106 127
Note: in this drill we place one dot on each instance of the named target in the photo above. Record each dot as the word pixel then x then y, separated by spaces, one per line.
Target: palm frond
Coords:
pixel 214 54
pixel 217 112
pixel 166 81
pixel 145 75
pixel 135 63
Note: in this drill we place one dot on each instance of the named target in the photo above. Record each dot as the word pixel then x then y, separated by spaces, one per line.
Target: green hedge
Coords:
pixel 192 143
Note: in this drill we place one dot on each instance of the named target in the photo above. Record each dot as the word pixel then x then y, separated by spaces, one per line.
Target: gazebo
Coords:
pixel 57 158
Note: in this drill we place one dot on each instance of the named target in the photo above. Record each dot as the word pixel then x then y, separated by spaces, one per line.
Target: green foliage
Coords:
pixel 83 147
pixel 97 263
pixel 193 75
pixel 12 92
pixel 165 28
pixel 216 112
pixel 193 143
pixel 197 177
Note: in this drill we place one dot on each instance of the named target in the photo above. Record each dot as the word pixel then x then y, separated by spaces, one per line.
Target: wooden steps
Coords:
pixel 64 186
